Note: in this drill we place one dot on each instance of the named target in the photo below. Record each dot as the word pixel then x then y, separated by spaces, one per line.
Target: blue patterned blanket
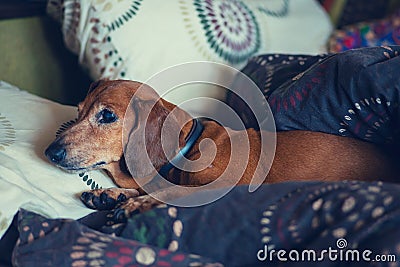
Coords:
pixel 355 93
pixel 331 224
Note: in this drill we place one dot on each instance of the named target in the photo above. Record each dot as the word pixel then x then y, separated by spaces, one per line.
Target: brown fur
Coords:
pixel 300 155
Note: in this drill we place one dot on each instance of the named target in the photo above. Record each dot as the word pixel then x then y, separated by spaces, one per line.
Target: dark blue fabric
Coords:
pixel 354 93
pixel 233 230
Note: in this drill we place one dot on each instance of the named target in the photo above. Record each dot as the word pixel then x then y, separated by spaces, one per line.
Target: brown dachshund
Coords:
pixel 95 142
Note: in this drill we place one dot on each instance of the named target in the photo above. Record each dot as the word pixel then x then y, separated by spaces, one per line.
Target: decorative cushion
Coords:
pixel 27 125
pixel 367 34
pixel 346 12
pixel 137 39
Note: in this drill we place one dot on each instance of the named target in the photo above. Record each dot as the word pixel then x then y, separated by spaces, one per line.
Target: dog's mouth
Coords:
pixel 95 166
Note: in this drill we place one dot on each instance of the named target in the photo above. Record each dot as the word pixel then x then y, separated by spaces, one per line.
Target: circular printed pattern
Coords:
pixel 121 11
pixel 279 12
pixel 230 27
pixel 366 120
pixel 342 207
pixel 145 256
pixel 370 118
pixel 7 133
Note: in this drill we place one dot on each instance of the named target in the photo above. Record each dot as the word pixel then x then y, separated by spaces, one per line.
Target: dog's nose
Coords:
pixel 56 153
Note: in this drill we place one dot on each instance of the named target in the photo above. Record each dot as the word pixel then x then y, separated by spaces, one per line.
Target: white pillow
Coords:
pixel 27 126
pixel 137 39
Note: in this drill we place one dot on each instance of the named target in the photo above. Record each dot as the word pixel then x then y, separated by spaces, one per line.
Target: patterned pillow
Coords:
pixel 137 39
pixel 27 125
pixel 367 34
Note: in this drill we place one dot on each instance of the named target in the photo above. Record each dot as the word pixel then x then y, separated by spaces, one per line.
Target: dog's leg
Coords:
pixel 123 203
pixel 108 198
pixel 134 205
pixel 147 202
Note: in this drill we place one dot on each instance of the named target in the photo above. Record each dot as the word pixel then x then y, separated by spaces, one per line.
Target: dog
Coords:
pixel 95 141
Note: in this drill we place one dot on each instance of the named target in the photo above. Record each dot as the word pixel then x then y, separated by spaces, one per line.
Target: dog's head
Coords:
pixel 95 140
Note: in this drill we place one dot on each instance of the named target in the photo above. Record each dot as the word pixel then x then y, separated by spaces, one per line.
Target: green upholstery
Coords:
pixel 34 58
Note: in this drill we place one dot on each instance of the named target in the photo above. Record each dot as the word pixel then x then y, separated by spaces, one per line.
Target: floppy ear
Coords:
pixel 95 84
pixel 145 152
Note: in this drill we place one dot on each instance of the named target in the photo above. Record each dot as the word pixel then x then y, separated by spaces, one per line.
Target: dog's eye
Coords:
pixel 107 116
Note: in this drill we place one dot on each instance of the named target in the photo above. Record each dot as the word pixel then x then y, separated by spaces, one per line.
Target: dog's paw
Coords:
pixel 107 199
pixel 132 206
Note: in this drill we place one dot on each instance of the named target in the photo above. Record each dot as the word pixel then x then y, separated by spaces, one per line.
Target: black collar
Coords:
pixel 194 134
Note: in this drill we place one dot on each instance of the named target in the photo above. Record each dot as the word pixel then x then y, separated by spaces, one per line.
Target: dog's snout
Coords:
pixel 56 152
